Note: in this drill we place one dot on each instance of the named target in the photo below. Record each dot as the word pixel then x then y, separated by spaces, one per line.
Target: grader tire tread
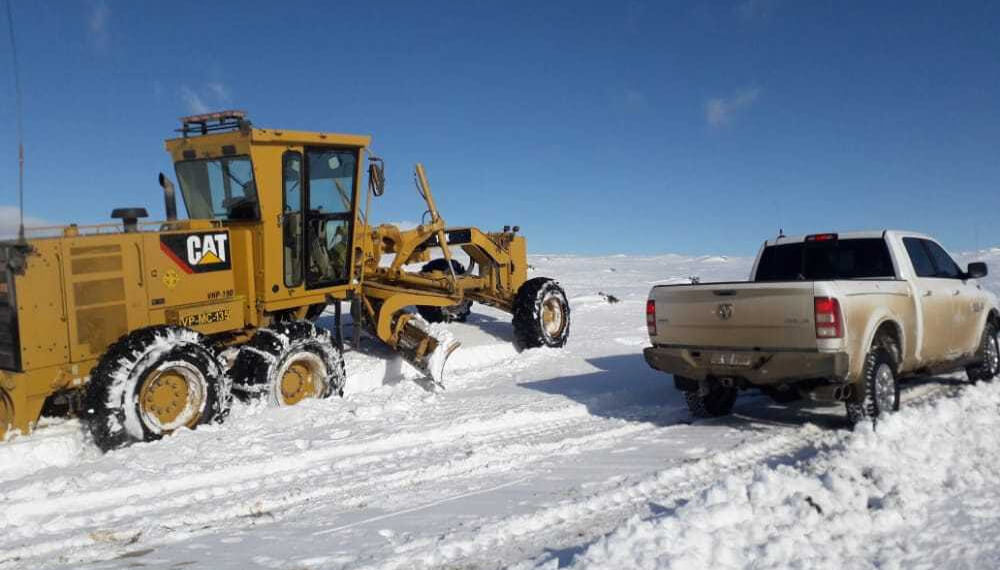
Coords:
pixel 527 321
pixel 257 361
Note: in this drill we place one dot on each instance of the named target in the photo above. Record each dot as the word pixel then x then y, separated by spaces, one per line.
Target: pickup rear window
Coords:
pixel 864 258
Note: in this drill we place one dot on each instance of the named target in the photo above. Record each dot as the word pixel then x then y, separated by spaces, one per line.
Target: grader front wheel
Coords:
pixel 541 314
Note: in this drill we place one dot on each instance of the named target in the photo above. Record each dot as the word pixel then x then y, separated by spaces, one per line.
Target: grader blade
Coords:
pixel 425 348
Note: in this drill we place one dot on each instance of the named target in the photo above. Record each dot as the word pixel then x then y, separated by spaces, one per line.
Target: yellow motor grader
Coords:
pixel 142 328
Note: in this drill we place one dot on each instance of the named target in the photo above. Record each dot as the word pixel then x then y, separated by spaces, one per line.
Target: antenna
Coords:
pixel 20 128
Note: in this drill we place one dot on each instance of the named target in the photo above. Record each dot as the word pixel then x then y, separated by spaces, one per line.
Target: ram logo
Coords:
pixel 724 311
pixel 199 252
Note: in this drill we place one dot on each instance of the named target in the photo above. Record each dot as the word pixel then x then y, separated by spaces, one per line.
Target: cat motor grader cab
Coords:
pixel 142 328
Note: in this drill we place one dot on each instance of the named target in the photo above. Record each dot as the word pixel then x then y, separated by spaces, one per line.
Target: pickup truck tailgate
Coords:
pixel 736 315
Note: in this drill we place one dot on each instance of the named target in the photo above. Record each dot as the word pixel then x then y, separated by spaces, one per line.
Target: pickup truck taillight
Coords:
pixel 829 321
pixel 651 317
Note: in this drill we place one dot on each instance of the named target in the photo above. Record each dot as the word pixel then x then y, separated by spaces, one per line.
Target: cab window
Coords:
pixel 921 261
pixel 943 263
pixel 857 258
pixel 219 188
pixel 331 180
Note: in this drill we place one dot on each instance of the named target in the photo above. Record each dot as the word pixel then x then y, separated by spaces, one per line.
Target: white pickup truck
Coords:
pixel 827 316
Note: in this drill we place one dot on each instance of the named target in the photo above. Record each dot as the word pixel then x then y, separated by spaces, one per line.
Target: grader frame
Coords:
pixel 275 233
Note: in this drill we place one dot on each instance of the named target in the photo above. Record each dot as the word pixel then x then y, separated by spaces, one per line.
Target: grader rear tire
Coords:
pixel 153 382
pixel 453 313
pixel 541 314
pixel 287 363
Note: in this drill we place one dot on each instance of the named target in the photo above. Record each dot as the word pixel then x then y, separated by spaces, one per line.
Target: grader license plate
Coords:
pixel 205 318
pixel 732 359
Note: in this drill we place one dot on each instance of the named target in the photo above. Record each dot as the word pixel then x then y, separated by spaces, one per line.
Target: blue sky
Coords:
pixel 632 127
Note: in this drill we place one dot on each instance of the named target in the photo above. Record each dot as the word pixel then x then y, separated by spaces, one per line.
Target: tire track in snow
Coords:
pixel 571 523
pixel 498 450
pixel 472 425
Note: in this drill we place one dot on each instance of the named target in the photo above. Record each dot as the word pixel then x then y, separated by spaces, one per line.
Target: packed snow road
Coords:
pixel 527 458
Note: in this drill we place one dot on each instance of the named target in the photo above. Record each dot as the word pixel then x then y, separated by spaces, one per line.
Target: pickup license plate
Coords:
pixel 732 359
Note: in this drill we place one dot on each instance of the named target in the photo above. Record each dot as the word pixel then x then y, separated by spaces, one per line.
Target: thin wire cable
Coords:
pixel 20 125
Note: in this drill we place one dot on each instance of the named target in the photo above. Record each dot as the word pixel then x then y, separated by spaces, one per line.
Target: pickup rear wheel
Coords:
pixel 717 402
pixel 878 391
pixel 989 350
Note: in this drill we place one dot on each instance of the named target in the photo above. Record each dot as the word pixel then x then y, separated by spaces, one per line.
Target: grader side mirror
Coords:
pixel 376 175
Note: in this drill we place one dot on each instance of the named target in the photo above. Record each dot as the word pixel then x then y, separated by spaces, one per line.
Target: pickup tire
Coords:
pixel 989 350
pixel 718 402
pixel 878 392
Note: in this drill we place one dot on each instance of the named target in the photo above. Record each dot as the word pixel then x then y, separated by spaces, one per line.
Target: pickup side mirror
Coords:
pixel 976 270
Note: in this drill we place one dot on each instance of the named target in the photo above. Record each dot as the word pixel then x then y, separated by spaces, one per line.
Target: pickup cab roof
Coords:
pixel 850 235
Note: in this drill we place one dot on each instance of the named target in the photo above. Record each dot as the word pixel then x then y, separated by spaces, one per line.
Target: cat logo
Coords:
pixel 206 249
pixel 198 252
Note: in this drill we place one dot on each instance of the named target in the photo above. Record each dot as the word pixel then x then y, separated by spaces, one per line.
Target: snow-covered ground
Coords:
pixel 546 458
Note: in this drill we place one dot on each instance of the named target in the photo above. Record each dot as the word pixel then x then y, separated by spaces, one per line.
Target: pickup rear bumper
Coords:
pixel 753 366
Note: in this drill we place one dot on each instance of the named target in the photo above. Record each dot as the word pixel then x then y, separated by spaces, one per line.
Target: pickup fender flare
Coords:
pixel 881 317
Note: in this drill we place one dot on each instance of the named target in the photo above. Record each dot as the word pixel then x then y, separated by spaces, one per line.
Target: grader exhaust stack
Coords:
pixel 277 227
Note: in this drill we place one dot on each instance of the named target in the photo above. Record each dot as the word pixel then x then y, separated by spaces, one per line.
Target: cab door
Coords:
pixel 292 220
pixel 966 329
pixel 934 304
pixel 328 215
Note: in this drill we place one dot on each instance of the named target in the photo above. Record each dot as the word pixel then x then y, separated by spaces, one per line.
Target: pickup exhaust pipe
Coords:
pixel 169 198
pixel 845 392
pixel 831 393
